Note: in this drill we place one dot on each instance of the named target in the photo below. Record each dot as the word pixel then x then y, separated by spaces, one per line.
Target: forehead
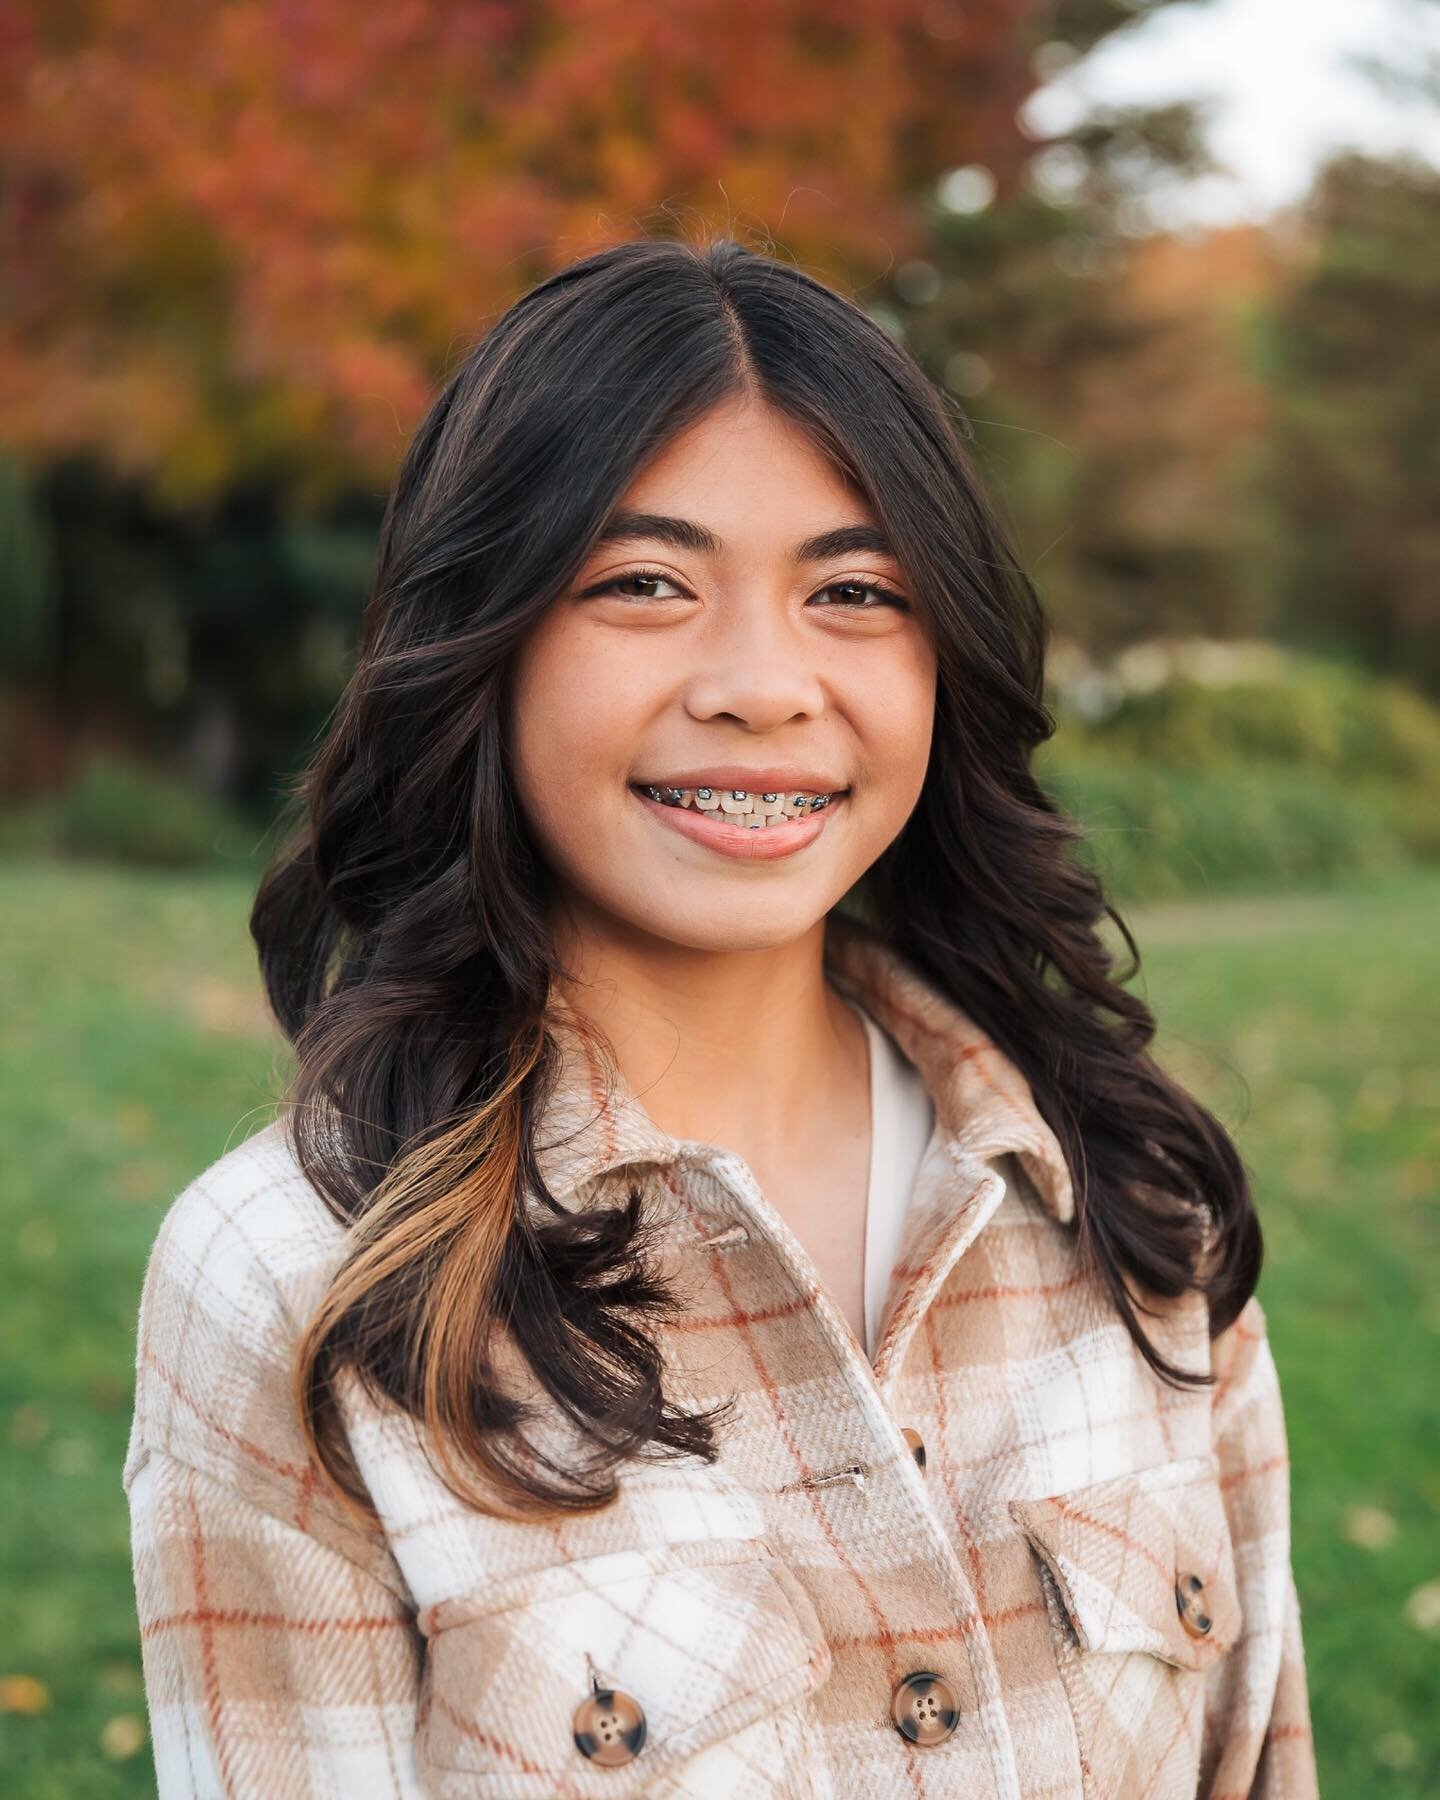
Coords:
pixel 745 475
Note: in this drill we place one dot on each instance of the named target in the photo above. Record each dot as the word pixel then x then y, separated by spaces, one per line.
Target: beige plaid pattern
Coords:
pixel 759 1611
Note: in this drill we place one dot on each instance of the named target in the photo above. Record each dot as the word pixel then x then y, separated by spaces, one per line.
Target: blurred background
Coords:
pixel 1178 265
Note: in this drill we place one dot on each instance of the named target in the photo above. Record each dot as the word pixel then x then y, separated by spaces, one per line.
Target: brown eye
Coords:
pixel 637 578
pixel 852 590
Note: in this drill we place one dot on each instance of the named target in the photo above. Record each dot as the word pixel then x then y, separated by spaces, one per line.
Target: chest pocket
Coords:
pixel 713 1647
pixel 1139 1579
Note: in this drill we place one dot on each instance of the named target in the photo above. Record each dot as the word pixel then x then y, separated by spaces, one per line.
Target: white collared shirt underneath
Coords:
pixel 902 1119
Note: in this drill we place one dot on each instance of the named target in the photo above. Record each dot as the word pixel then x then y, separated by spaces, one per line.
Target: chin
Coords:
pixel 727 927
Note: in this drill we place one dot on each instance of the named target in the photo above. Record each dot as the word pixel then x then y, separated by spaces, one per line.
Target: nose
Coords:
pixel 756 665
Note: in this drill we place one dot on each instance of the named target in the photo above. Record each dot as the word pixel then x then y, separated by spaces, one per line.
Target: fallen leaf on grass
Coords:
pixel 72 1456
pixel 1370 1527
pixel 28 1425
pixel 122 1737
pixel 139 1180
pixel 1396 1749
pixel 1422 1609
pixel 23 1694
pixel 135 1121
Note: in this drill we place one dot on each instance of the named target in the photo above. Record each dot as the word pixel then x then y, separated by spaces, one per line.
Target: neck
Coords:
pixel 751 1050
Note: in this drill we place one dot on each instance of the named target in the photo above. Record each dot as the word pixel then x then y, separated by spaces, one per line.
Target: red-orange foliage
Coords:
pixel 241 240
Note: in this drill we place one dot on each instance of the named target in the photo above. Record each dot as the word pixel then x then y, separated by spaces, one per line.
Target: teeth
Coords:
pixel 741 807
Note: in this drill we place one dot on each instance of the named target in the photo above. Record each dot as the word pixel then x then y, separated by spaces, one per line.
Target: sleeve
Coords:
pixel 281 1651
pixel 1257 1716
pixel 274 1665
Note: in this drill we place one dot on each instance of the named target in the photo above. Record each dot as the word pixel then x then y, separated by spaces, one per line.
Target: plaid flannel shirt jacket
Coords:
pixel 761 1612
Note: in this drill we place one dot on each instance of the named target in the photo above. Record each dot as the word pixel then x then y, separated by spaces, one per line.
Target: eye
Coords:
pixel 650 578
pixel 886 596
pixel 645 577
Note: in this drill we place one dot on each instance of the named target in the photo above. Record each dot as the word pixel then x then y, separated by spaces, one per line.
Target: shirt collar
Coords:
pixel 594 1122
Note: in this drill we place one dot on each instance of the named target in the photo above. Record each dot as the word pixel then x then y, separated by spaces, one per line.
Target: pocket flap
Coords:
pixel 1125 1552
pixel 708 1639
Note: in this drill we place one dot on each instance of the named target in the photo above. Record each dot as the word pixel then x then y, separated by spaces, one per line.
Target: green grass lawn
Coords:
pixel 133 1050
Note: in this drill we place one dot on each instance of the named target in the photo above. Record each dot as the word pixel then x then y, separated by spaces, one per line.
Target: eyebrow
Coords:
pixel 685 534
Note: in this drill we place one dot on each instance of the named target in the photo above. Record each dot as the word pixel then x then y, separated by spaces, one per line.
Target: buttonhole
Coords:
pixel 853 1473
pixel 729 1237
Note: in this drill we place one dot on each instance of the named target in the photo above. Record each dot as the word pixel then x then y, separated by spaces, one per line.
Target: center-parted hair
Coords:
pixel 402 929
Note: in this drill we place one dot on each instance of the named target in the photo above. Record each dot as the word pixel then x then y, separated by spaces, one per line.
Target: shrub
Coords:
pixel 1327 717
pixel 1156 831
pixel 120 810
pixel 1194 785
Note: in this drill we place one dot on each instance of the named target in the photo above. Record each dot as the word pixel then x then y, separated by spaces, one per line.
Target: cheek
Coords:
pixel 574 726
pixel 894 714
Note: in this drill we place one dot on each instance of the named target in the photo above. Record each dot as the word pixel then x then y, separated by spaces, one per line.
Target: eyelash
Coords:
pixel 887 595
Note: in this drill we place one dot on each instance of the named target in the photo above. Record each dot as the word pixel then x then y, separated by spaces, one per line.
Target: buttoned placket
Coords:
pixel 872 1385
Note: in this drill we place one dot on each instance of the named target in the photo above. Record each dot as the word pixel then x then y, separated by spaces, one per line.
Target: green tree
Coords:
pixel 1352 357
pixel 1096 360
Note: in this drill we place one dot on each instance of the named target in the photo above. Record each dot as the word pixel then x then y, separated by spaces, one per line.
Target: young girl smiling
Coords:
pixel 731 1306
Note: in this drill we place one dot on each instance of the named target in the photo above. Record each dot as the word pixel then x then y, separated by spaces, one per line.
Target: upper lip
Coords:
pixel 778 780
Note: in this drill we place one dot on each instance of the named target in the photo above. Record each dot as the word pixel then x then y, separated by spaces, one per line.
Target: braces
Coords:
pixel 705 799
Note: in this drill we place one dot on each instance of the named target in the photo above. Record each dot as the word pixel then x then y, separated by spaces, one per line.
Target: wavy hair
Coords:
pixel 402 928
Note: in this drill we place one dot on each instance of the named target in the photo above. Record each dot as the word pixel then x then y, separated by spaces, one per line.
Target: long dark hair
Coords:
pixel 402 930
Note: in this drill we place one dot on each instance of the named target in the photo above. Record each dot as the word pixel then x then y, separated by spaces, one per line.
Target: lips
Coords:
pixel 748 836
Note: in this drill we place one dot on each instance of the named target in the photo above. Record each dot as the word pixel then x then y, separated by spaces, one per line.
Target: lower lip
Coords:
pixel 746 843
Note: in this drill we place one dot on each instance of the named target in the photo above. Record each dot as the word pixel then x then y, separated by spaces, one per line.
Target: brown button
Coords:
pixel 609 1727
pixel 1193 1616
pixel 916 1443
pixel 923 1707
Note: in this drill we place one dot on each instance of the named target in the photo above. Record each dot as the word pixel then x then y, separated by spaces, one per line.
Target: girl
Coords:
pixel 731 1307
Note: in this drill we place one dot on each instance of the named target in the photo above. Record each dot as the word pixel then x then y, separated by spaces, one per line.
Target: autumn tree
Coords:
pixel 242 241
